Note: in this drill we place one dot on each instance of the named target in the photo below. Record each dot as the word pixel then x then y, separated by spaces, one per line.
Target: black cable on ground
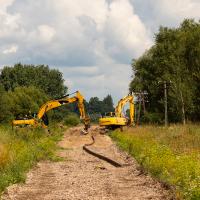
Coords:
pixel 112 162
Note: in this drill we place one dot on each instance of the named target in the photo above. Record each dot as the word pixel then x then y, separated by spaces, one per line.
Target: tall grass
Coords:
pixel 170 154
pixel 21 149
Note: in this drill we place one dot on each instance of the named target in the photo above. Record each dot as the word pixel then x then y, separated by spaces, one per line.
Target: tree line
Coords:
pixel 24 88
pixel 174 60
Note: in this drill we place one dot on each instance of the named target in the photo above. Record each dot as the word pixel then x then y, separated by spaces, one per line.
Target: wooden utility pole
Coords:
pixel 139 111
pixel 166 109
pixel 141 103
pixel 183 109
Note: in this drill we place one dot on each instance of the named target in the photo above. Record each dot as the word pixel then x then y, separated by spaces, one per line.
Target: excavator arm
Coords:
pixel 49 105
pixel 119 108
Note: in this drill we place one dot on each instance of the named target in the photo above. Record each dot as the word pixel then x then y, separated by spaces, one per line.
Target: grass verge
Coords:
pixel 21 149
pixel 169 154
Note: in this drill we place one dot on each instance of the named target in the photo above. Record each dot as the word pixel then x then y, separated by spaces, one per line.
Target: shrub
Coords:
pixel 152 118
pixel 72 120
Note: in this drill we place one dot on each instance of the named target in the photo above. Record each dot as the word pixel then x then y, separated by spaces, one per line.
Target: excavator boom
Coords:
pixel 49 105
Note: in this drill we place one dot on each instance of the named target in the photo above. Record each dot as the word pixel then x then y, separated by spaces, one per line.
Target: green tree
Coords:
pixel 175 58
pixel 108 104
pixel 5 113
pixel 49 80
pixel 95 105
pixel 22 101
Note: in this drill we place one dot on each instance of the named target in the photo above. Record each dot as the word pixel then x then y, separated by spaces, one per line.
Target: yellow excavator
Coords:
pixel 116 119
pixel 41 118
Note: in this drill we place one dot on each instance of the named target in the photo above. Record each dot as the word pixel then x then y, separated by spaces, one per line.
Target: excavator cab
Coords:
pixel 109 114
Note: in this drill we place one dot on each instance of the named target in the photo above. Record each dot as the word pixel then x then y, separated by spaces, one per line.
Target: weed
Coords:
pixel 21 149
pixel 170 154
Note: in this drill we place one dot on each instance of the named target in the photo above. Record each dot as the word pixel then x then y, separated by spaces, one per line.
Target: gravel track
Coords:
pixel 84 177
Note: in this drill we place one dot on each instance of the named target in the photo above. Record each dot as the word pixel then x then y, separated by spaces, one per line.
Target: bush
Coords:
pixel 58 114
pixel 72 120
pixel 152 118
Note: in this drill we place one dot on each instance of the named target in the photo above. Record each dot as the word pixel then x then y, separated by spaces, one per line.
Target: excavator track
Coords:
pixel 98 155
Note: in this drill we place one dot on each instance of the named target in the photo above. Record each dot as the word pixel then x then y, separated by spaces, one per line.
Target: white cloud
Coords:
pixel 82 71
pixel 107 78
pixel 46 33
pixel 77 27
pixel 4 4
pixel 155 13
pixel 43 35
pixel 94 40
pixel 180 9
pixel 126 35
pixel 8 23
pixel 12 49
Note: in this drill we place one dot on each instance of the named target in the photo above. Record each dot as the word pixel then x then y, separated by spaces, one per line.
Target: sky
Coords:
pixel 92 42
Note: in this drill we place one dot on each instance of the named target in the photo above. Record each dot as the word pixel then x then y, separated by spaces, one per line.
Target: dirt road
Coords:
pixel 84 177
